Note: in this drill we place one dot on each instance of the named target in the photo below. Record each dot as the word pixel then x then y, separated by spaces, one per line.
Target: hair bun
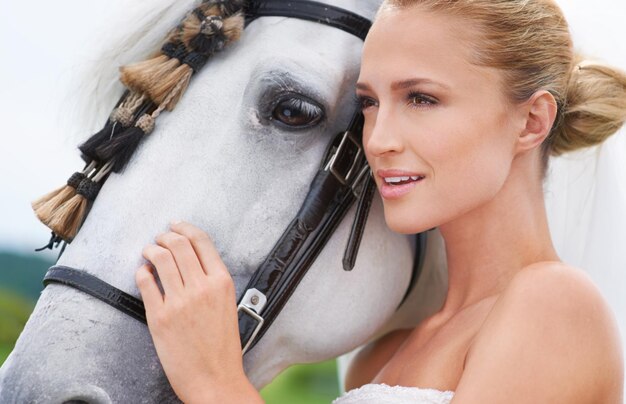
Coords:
pixel 595 107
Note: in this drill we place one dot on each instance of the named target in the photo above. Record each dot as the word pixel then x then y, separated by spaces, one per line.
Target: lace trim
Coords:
pixel 376 391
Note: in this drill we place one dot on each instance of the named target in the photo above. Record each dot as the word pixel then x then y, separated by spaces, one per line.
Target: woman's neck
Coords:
pixel 487 246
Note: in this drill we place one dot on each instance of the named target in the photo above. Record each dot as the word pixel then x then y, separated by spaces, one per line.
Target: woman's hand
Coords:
pixel 194 322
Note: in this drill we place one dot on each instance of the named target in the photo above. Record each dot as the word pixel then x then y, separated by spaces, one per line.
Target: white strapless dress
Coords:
pixel 385 394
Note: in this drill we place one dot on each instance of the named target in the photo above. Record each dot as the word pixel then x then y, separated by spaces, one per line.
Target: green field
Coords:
pixel 5 350
pixel 14 311
pixel 304 384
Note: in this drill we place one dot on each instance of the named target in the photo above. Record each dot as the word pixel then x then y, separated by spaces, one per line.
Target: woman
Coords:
pixel 467 99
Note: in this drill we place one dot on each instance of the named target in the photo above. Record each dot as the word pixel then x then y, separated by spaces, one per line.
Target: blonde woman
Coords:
pixel 467 99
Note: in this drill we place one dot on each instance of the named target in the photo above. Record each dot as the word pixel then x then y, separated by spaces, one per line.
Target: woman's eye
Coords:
pixel 418 100
pixel 297 112
pixel 365 102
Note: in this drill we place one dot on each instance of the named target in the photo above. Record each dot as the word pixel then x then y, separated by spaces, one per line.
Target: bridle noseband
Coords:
pixel 343 177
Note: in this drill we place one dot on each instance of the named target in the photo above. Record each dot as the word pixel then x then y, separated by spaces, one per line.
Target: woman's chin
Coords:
pixel 408 225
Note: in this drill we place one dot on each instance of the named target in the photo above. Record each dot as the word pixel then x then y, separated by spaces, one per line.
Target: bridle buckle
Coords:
pixel 333 165
pixel 251 304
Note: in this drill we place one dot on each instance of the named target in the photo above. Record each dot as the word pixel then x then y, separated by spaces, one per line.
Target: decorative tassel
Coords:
pixel 222 7
pixel 121 117
pixel 203 32
pixel 45 206
pixel 88 147
pixel 210 28
pixel 68 218
pixel 38 203
pixel 122 147
pixel 201 29
pixel 177 82
pixel 140 77
pixel 52 243
pixel 154 85
pixel 213 33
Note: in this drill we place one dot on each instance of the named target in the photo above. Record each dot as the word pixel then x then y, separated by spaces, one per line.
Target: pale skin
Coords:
pixel 517 325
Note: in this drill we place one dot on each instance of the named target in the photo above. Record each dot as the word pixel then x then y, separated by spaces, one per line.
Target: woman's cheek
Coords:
pixel 475 178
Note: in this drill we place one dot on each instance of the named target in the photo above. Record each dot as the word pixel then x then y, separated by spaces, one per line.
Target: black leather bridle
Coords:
pixel 342 178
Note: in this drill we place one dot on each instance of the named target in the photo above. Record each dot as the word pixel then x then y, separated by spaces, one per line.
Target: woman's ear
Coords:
pixel 540 113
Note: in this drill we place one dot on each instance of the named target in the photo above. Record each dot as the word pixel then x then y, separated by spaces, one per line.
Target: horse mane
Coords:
pixel 130 36
pixel 134 31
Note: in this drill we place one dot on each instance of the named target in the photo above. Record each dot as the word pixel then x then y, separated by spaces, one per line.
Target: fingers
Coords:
pixel 184 256
pixel 150 293
pixel 165 265
pixel 203 246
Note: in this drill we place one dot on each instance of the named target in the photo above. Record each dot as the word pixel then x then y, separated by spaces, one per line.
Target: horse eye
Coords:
pixel 297 112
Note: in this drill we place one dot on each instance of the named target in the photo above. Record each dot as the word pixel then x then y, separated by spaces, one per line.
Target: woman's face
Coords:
pixel 438 133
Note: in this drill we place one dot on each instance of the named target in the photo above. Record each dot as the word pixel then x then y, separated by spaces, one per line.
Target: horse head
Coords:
pixel 232 160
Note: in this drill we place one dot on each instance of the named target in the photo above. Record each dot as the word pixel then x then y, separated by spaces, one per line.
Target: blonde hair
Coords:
pixel 530 43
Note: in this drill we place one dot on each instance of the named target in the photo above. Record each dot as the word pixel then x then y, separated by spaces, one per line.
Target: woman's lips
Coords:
pixel 397 183
pixel 389 191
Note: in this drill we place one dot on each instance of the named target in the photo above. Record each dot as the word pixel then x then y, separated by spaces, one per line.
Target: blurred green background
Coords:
pixel 20 285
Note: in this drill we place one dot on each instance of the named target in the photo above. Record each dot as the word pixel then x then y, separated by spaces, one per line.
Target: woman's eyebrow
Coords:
pixel 362 86
pixel 403 84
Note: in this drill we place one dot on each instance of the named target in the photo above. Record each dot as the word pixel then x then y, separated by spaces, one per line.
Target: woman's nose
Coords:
pixel 380 136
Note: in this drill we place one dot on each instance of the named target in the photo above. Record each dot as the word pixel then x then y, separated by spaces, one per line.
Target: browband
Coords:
pixel 312 11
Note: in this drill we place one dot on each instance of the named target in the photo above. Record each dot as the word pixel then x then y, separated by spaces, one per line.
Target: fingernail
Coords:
pixel 175 222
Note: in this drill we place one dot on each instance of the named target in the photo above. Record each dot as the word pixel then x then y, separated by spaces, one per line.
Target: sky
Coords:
pixel 44 44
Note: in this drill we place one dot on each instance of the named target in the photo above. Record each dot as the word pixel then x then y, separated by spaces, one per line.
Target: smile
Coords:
pixel 397 183
pixel 402 180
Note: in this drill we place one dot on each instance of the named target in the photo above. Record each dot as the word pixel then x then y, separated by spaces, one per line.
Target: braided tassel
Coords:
pixel 122 117
pixel 141 77
pixel 45 206
pixel 203 32
pixel 121 148
pixel 155 85
pixel 223 7
pixel 68 218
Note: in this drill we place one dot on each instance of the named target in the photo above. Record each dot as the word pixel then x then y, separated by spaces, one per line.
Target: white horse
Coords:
pixel 225 162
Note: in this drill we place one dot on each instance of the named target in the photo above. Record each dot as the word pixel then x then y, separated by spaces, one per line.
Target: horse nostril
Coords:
pixel 84 399
pixel 94 400
pixel 86 395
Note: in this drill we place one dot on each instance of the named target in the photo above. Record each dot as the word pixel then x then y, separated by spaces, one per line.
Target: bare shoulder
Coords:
pixel 372 357
pixel 550 337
